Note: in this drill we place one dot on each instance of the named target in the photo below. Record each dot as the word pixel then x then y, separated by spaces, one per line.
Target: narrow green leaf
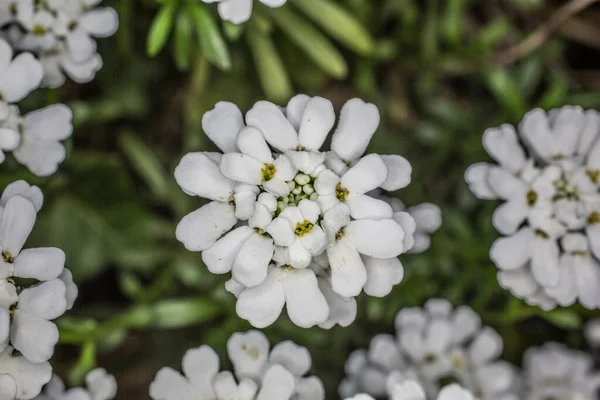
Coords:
pixel 183 41
pixel 177 313
pixel 339 23
pixel 160 29
pixel 85 363
pixel 565 319
pixel 233 32
pixel 506 90
pixel 271 71
pixel 314 43
pixel 212 42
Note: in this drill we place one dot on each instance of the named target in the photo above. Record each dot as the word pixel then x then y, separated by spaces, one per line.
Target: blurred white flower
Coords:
pixel 239 11
pixel 259 373
pixel 291 231
pixel 20 379
pixel 412 390
pixel 38 137
pixel 548 174
pixel 592 333
pixel 434 345
pixel 555 371
pixel 99 386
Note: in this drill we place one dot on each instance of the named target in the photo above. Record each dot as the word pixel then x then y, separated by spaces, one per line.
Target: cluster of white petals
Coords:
pixel 99 386
pixel 61 33
pixel 295 225
pixel 435 345
pixel 554 371
pixel 412 390
pixel 259 373
pixel 239 11
pixel 548 174
pixel 35 289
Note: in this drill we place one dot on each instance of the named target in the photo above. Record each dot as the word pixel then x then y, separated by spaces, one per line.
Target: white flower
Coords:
pixel 290 230
pixel 38 135
pixel 433 345
pixel 99 386
pixel 258 374
pixel 20 378
pixel 18 77
pixel 412 390
pixel 592 332
pixel 554 371
pixel 58 62
pixel 239 11
pixel 552 206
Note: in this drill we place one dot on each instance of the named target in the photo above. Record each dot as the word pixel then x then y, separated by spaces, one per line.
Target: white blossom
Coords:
pixel 412 390
pixel 434 345
pixel 259 373
pixel 21 379
pixel 291 231
pixel 555 371
pixel 38 137
pixel 548 176
pixel 99 386
pixel 239 11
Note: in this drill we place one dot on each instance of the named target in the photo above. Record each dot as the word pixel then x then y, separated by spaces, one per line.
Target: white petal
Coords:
pixel 72 291
pixel 44 264
pixel 567 124
pixel 486 347
pixel 261 305
pixel 9 139
pixel 506 185
pixel 358 122
pixel 80 72
pixel 366 207
pixel 317 121
pixel 50 123
pixel 408 224
pixel 565 293
pixel 244 199
pixel 465 323
pixel 295 109
pixel 310 388
pixel 100 22
pixel 248 353
pixel 520 282
pixel 80 45
pixel 310 210
pixel 200 229
pixel 399 171
pixel 367 174
pixel 544 261
pixel 348 273
pixel 251 263
pixel 29 377
pixel 220 256
pixel 382 275
pixel 278 383
pixel 101 385
pixel 306 305
pixel 269 119
pixel 222 124
pixel 34 337
pixel 235 11
pixel 535 131
pixel 199 175
pixel 587 278
pixel 4 328
pixel 476 177
pixel 508 217
pixel 8 294
pixel 47 300
pixel 22 188
pixel 326 182
pixel 171 385
pixel 300 257
pixel 503 145
pixel 512 252
pixel 315 241
pixel 342 311
pixel 17 222
pixel 376 238
pixel 428 217
pixel 282 232
pixel 41 157
pixel 225 386
pixel 454 392
pixel 292 357
pixel 242 168
pixel 24 75
pixel 201 365
pixel 273 3
pixel 251 142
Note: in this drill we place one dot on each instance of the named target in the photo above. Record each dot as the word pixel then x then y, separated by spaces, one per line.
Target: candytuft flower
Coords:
pixel 239 11
pixel 412 390
pixel 435 345
pixel 259 373
pixel 99 386
pixel 296 225
pixel 548 175
pixel 20 378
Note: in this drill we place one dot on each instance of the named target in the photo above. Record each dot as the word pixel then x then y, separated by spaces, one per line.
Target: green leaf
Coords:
pixel 316 46
pixel 271 71
pixel 212 42
pixel 566 319
pixel 506 90
pixel 160 29
pixel 169 314
pixel 183 41
pixel 85 363
pixel 233 32
pixel 339 23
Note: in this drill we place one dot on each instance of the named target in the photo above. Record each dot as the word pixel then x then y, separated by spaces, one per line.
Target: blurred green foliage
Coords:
pixel 432 68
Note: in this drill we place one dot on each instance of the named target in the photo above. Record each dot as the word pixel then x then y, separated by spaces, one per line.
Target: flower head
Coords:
pixel 548 177
pixel 239 11
pixel 259 373
pixel 435 345
pixel 99 386
pixel 20 378
pixel 296 225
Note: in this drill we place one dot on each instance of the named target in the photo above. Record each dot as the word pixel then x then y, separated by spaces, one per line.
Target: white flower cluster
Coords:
pixel 258 373
pixel 548 174
pixel 293 224
pixel 27 333
pixel 239 11
pixel 61 33
pixel 412 390
pixel 35 138
pixel 99 386
pixel 435 345
pixel 554 371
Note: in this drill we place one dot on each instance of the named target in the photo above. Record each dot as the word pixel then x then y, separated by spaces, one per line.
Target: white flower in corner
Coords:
pixel 258 374
pixel 18 77
pixel 291 231
pixel 548 174
pixel 555 371
pixel 239 11
pixel 39 135
pixel 99 386
pixel 436 344
pixel 20 379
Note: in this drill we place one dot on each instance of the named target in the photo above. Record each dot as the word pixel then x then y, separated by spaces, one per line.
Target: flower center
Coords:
pixel 72 26
pixel 302 228
pixel 301 188
pixel 429 358
pixel 593 218
pixel 252 352
pixel 12 8
pixel 593 174
pixel 541 234
pixel 38 30
pixel 532 197
pixel 340 192
pixel 8 257
pixel 268 172
pixel 565 189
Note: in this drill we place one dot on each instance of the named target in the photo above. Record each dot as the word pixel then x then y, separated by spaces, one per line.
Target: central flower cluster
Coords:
pixel 296 225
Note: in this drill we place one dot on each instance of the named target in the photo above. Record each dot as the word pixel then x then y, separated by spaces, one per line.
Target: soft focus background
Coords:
pixel 441 71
